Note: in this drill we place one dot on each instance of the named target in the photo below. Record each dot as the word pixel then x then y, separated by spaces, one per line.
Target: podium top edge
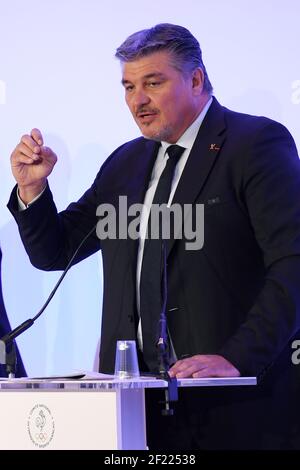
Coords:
pixel 117 384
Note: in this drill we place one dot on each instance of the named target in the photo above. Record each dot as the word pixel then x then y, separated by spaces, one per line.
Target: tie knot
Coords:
pixel 175 152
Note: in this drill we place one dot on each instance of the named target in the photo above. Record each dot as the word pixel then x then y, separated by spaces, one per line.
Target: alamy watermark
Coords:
pixel 176 221
pixel 296 354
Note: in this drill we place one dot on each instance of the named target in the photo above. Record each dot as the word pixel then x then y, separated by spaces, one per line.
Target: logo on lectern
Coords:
pixel 40 426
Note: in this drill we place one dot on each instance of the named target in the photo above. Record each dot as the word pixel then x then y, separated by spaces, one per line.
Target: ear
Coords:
pixel 197 81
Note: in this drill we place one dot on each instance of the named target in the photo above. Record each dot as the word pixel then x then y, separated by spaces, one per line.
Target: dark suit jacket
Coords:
pixel 5 328
pixel 239 296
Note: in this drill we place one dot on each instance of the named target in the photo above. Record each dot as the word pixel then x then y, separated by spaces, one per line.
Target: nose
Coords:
pixel 140 98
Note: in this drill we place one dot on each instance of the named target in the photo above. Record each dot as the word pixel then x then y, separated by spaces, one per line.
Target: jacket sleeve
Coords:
pixel 50 239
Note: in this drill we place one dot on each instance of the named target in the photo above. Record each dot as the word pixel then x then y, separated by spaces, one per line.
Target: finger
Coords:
pixel 25 150
pixel 205 373
pixel 37 136
pixel 31 144
pixel 20 150
pixel 213 371
pixel 177 367
pixel 186 370
pixel 182 364
pixel 22 159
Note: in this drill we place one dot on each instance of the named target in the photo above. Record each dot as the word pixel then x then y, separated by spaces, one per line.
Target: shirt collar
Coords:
pixel 189 136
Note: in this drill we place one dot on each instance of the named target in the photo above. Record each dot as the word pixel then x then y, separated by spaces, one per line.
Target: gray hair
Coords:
pixel 175 39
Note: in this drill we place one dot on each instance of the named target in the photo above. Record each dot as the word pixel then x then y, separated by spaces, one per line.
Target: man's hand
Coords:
pixel 203 365
pixel 31 163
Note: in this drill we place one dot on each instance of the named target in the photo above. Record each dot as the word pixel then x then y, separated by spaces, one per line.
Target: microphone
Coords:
pixel 7 346
pixel 162 344
pixel 171 392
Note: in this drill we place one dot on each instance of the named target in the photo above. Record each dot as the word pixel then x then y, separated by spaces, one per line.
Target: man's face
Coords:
pixel 161 99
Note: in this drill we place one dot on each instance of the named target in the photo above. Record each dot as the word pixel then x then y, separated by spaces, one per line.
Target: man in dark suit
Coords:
pixel 234 305
pixel 4 329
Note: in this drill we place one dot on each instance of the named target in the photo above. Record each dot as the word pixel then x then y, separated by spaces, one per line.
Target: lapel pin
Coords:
pixel 214 147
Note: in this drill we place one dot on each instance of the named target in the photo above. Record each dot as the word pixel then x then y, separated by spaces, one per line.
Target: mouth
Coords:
pixel 146 116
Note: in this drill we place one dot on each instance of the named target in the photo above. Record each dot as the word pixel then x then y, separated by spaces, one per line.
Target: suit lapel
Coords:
pixel 203 156
pixel 136 194
pixel 144 161
pixel 142 174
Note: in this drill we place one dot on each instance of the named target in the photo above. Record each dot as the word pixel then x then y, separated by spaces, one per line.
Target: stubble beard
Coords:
pixel 162 134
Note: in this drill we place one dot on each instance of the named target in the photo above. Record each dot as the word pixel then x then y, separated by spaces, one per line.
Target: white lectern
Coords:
pixel 103 413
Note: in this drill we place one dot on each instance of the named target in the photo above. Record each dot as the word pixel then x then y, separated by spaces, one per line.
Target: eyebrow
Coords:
pixel 147 77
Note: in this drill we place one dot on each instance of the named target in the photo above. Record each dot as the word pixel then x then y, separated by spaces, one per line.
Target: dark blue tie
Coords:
pixel 151 271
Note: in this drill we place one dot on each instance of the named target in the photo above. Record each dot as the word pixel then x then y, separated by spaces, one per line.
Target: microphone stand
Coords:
pixel 8 357
pixel 7 346
pixel 171 392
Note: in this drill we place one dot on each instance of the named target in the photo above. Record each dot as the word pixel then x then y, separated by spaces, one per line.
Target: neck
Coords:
pixel 203 100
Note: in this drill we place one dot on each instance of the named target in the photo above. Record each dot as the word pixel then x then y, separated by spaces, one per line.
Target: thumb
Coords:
pixel 46 151
pixel 48 155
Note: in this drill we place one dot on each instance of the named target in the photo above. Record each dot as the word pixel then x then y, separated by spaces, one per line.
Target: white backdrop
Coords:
pixel 58 73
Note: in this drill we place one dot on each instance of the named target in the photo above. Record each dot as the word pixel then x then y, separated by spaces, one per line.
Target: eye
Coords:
pixel 153 84
pixel 128 87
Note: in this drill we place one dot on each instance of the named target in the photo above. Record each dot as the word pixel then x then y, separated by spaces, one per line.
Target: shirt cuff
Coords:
pixel 22 205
